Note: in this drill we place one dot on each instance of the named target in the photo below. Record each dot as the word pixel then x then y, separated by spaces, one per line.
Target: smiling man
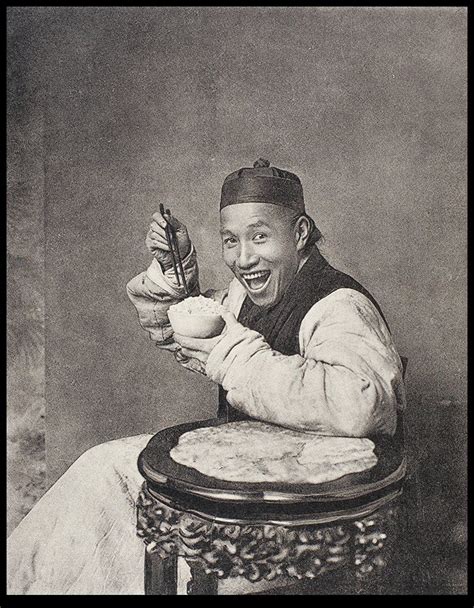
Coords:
pixel 306 346
pixel 258 243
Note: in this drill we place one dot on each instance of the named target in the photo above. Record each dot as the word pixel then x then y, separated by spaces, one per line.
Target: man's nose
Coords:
pixel 247 257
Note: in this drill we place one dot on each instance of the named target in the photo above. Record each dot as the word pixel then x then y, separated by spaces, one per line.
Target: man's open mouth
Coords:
pixel 256 281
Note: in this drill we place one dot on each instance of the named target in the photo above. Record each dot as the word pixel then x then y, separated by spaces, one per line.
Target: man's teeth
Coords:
pixel 256 280
pixel 255 275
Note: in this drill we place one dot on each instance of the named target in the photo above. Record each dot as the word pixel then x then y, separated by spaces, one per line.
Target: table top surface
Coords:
pixel 165 475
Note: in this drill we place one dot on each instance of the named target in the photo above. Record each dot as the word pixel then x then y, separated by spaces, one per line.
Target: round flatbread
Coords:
pixel 256 452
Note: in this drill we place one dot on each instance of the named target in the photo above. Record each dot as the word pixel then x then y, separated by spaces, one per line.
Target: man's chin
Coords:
pixel 262 300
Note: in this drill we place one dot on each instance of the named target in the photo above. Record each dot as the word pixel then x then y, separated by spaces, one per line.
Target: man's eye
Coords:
pixel 260 237
pixel 230 241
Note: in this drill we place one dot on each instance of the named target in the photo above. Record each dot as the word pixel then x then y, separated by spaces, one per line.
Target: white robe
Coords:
pixel 80 538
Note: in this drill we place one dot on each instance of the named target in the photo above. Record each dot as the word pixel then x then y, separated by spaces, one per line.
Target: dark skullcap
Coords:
pixel 263 184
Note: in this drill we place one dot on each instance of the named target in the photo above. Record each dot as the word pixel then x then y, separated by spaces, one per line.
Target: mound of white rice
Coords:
pixel 198 305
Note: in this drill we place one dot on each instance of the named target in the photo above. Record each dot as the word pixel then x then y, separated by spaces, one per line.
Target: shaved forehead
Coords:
pixel 249 214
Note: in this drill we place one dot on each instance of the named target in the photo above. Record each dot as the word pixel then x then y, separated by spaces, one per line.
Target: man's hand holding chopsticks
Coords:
pixel 157 243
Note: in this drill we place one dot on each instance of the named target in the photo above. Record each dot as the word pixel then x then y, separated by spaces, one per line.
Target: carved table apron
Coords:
pixel 261 532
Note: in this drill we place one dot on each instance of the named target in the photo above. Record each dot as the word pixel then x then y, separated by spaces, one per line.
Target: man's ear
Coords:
pixel 302 229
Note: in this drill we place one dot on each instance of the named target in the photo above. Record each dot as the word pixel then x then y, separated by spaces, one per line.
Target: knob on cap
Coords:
pixel 261 162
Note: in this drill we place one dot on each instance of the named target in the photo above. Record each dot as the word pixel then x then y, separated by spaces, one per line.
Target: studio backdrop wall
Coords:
pixel 130 107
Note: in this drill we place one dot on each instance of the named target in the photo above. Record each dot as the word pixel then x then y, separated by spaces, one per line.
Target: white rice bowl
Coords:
pixel 197 317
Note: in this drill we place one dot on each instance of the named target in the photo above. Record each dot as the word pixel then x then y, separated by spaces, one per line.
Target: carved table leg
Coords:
pixel 161 575
pixel 376 545
pixel 201 583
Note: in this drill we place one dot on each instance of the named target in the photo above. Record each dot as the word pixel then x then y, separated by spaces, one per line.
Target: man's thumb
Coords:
pixel 177 225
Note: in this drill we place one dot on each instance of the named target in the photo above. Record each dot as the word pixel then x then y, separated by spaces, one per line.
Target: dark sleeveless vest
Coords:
pixel 280 324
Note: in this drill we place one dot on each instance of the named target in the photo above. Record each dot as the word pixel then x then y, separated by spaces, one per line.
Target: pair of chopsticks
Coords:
pixel 174 249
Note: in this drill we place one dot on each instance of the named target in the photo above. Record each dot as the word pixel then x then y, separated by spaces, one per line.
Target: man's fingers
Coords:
pixel 204 345
pixel 187 342
pixel 158 228
pixel 159 219
pixel 186 352
pixel 229 319
pixel 193 354
pixel 180 356
pixel 159 223
pixel 174 222
pixel 163 220
pixel 156 236
pixel 155 244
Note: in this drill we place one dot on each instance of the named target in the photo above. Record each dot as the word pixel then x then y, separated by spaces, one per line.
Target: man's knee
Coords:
pixel 113 455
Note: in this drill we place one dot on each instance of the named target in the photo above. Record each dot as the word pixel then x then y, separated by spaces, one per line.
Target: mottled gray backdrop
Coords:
pixel 114 110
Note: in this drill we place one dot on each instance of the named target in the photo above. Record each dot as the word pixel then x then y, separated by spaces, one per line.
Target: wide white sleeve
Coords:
pixel 152 292
pixel 346 381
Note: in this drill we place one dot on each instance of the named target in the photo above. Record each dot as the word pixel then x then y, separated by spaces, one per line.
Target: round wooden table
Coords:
pixel 262 531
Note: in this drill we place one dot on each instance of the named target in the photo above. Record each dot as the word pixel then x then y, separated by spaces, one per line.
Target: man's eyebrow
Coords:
pixel 258 224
